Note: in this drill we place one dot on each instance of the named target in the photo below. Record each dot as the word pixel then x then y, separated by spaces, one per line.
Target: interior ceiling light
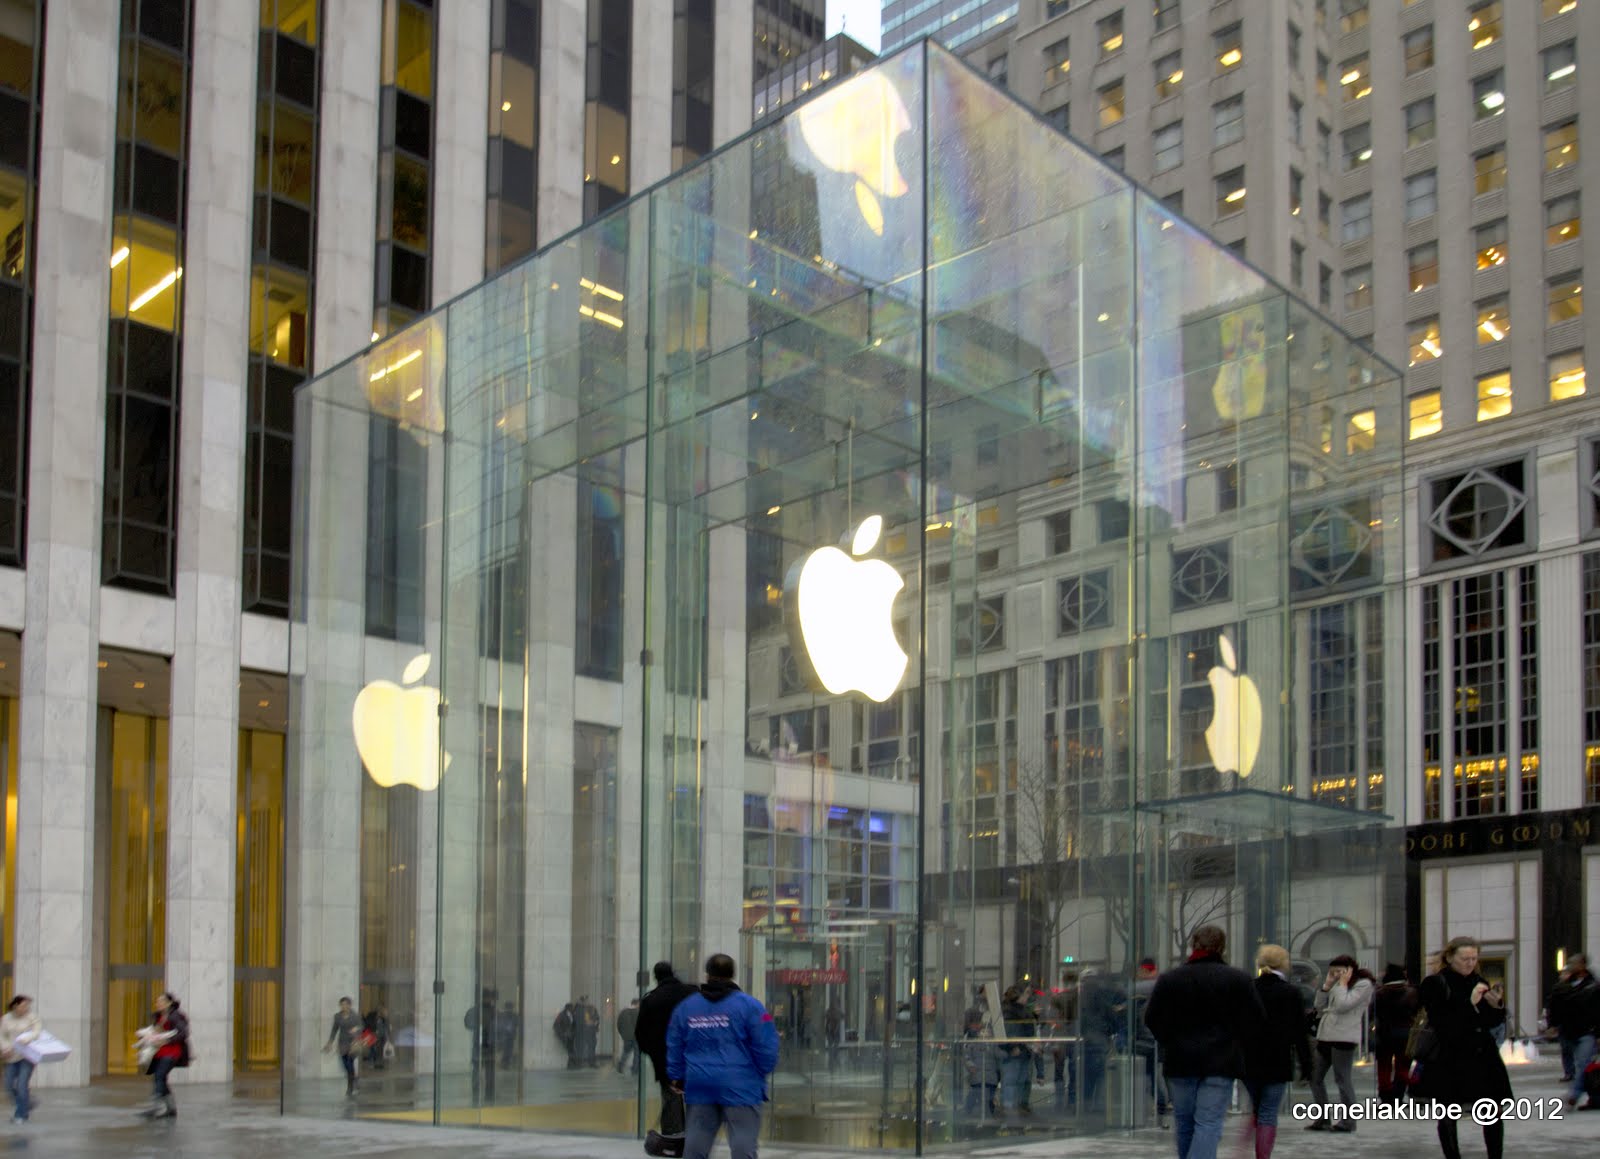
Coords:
pixel 1350 77
pixel 160 287
pixel 1494 100
pixel 1230 58
pixel 383 371
pixel 505 106
pixel 120 256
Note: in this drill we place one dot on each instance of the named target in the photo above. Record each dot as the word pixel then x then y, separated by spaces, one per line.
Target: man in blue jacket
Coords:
pixel 721 1046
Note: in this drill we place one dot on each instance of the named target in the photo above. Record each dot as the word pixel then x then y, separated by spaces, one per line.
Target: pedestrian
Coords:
pixel 380 1034
pixel 1101 1010
pixel 1202 1013
pixel 1270 1057
pixel 1144 1043
pixel 1016 1056
pixel 978 1059
pixel 507 1030
pixel 627 1030
pixel 1567 1012
pixel 1463 1064
pixel 588 1033
pixel 650 1032
pixel 169 1028
pixel 480 1022
pixel 833 1033
pixel 1064 1024
pixel 347 1034
pixel 566 1032
pixel 1394 1009
pixel 19 1026
pixel 721 1046
pixel 1342 1002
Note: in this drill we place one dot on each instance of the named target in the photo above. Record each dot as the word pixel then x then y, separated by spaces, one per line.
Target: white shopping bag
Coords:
pixel 45 1048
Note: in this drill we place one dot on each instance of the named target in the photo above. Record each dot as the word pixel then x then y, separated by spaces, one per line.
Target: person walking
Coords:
pixel 1202 1013
pixel 1342 1003
pixel 170 1027
pixel 19 1026
pixel 346 1034
pixel 721 1046
pixel 1463 1064
pixel 650 1033
pixel 627 1029
pixel 1394 1009
pixel 507 1032
pixel 380 1033
pixel 833 1034
pixel 1270 1057
pixel 1144 1043
pixel 1571 1013
pixel 1016 1058
pixel 588 1033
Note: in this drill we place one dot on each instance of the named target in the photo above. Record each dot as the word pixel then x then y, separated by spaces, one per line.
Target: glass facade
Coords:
pixel 405 167
pixel 607 113
pixel 10 728
pixel 911 570
pixel 513 131
pixel 21 62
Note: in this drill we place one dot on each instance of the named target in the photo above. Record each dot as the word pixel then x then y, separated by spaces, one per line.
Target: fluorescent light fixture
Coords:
pixel 1493 331
pixel 1104 318
pixel 1230 58
pixel 414 395
pixel 1350 77
pixel 1112 43
pixel 1236 195
pixel 1494 100
pixel 616 158
pixel 384 371
pixel 1364 155
pixel 1431 345
pixel 1564 71
pixel 1175 77
pixel 145 298
pixel 119 257
pixel 505 106
pixel 603 291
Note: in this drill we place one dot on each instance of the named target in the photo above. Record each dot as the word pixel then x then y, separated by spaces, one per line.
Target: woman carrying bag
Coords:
pixel 1460 1062
pixel 169 1033
pixel 18 1027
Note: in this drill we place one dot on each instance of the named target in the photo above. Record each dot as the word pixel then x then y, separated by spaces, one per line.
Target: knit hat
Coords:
pixel 1394 973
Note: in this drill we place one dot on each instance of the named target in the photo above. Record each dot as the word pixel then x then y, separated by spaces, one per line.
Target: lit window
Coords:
pixel 1419 122
pixel 1427 418
pixel 1422 266
pixel 1352 15
pixel 1566 376
pixel 1560 146
pixel 1057 61
pixel 1168 144
pixel 1488 96
pixel 1494 396
pixel 1169 75
pixel 1323 65
pixel 1228 47
pixel 1423 338
pixel 1565 295
pixel 1422 195
pixel 1166 14
pixel 1489 244
pixel 1109 33
pixel 1361 433
pixel 1554 8
pixel 1560 67
pixel 1111 104
pixel 1356 145
pixel 1562 220
pixel 1418 46
pixel 1358 289
pixel 1230 193
pixel 1297 188
pixel 1355 78
pixel 1483 24
pixel 1227 122
pixel 1488 172
pixel 1494 321
pixel 1356 219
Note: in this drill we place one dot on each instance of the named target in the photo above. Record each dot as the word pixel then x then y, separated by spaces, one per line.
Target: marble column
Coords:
pixel 461 136
pixel 733 83
pixel 650 107
pixel 203 762
pixel 56 770
pixel 563 45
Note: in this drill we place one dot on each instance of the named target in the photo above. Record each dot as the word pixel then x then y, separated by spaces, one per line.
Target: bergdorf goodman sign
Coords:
pixel 1497 834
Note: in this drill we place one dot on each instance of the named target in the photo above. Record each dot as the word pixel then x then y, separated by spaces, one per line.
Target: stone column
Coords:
pixel 563 44
pixel 650 130
pixel 733 83
pixel 461 133
pixel 203 764
pixel 56 770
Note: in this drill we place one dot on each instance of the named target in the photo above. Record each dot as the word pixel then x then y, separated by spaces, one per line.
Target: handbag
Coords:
pixel 1422 1044
pixel 45 1047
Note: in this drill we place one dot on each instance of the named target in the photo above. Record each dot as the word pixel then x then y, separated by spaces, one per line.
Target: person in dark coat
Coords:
pixel 650 1032
pixel 627 1030
pixel 1202 1013
pixel 1394 1009
pixel 1569 1012
pixel 1465 1066
pixel 171 1027
pixel 1270 1057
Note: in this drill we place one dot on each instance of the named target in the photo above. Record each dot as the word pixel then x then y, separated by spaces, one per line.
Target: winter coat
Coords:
pixel 655 1015
pixel 176 1023
pixel 1466 1066
pixel 1569 1009
pixel 721 1046
pixel 1344 1011
pixel 17 1031
pixel 1100 1017
pixel 1394 1009
pixel 1202 1013
pixel 628 1023
pixel 1270 1056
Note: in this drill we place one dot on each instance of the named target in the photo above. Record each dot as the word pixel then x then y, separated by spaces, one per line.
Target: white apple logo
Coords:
pixel 1234 734
pixel 852 129
pixel 845 611
pixel 397 730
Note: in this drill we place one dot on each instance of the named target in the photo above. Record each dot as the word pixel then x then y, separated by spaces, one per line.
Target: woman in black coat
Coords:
pixel 1269 1056
pixel 1464 1064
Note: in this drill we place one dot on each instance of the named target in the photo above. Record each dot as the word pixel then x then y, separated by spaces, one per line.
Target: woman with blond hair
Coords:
pixel 1462 1064
pixel 1269 1056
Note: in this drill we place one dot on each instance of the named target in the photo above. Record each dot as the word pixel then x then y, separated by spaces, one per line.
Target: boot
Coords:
pixel 1448 1142
pixel 163 1107
pixel 151 1110
pixel 1265 1138
pixel 172 1107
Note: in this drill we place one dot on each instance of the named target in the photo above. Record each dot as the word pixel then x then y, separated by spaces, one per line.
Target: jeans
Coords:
pixel 163 1068
pixel 1341 1057
pixel 1566 1057
pixel 705 1119
pixel 1158 1086
pixel 1494 1139
pixel 1267 1100
pixel 18 1075
pixel 1015 1087
pixel 630 1051
pixel 1094 1074
pixel 1394 1071
pixel 1583 1050
pixel 348 1061
pixel 1198 1107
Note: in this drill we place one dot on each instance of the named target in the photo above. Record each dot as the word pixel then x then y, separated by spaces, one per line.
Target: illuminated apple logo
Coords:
pixel 397 730
pixel 844 609
pixel 852 129
pixel 1240 389
pixel 1234 735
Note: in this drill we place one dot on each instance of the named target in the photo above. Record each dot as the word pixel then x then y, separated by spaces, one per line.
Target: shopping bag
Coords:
pixel 44 1048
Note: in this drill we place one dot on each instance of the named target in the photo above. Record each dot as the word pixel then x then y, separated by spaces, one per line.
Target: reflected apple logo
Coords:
pixel 852 129
pixel 397 730
pixel 1233 737
pixel 1240 389
pixel 845 609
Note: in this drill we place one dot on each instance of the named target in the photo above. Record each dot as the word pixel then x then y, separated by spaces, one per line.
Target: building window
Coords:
pixel 1058 532
pixel 1168 144
pixel 1086 765
pixel 1324 286
pixel 1361 432
pixel 405 149
pixel 1111 104
pixel 1358 289
pixel 1174 201
pixel 1227 122
pixel 1352 15
pixel 1562 220
pixel 1083 603
pixel 1591 672
pixel 1560 67
pixel 1488 171
pixel 600 559
pixel 1488 96
pixel 1227 46
pixel 1422 266
pixel 1169 75
pixel 1297 191
pixel 1560 146
pixel 1334 544
pixel 1494 320
pixel 1060 118
pixel 1489 244
pixel 1166 14
pixel 1324 145
pixel 1109 33
pixel 1494 396
pixel 981 626
pixel 1297 264
pixel 1528 684
pixel 1432 705
pixel 1057 61
pixel 1425 413
pixel 1296 121
pixel 1324 216
pixel 607 112
pixel 1565 372
pixel 1201 576
pixel 1323 66
pixel 1355 78
pixel 1422 195
pixel 513 131
pixel 693 80
pixel 1479 711
pixel 1116 158
pixel 1294 48
pixel 1345 679
pixel 1114 518
pixel 1422 336
pixel 1230 192
pixel 1418 48
pixel 1000 71
pixel 1419 122
pixel 1356 146
pixel 1483 24
pixel 1554 8
pixel 1356 219
pixel 1564 296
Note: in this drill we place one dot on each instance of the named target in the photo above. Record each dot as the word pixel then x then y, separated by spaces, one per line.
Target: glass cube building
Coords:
pixel 897 552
